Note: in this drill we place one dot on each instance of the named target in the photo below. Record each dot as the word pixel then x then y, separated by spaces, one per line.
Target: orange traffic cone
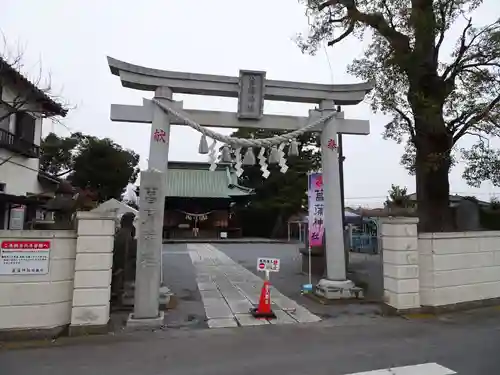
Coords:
pixel 263 310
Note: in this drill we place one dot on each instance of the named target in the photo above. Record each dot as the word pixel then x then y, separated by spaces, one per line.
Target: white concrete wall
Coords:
pixel 20 173
pixel 40 301
pixel 400 260
pixel 438 269
pixel 459 267
pixel 93 268
pixel 77 288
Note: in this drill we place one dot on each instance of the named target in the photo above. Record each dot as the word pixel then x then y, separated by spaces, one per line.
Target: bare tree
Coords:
pixel 35 93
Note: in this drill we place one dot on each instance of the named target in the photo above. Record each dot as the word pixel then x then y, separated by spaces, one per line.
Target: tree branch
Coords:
pixel 12 107
pixel 29 91
pixel 459 64
pixel 410 127
pixel 398 41
pixel 442 28
pixel 478 65
pixel 478 117
pixel 64 173
pixel 479 135
pixel 461 50
pixel 18 104
pixel 390 14
pixel 344 35
pixel 327 4
pixel 454 124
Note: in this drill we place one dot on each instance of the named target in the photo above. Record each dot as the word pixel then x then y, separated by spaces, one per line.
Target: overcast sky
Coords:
pixel 73 37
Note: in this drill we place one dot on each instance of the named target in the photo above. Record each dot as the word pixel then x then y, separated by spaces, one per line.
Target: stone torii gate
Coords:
pixel 251 88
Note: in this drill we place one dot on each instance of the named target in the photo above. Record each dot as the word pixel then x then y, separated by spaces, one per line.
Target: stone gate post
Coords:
pixel 93 268
pixel 399 238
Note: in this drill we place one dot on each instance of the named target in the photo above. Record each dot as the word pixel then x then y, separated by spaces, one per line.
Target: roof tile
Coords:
pixel 200 183
pixel 8 70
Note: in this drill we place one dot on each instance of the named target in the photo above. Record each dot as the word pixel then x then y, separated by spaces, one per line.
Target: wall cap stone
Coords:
pixel 89 215
pixel 37 234
pixel 398 220
pixel 450 235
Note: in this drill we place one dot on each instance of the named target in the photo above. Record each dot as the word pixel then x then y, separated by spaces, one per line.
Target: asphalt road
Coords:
pixel 467 344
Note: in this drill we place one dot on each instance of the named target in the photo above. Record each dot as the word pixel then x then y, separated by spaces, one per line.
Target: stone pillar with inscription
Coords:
pixel 148 270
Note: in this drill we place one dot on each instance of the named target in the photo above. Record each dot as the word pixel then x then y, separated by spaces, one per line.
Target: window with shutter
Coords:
pixel 25 126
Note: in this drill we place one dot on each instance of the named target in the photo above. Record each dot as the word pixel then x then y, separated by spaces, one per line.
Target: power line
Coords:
pixel 451 193
pixel 329 63
pixel 472 193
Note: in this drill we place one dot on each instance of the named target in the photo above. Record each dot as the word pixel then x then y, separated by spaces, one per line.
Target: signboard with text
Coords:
pixel 251 95
pixel 316 209
pixel 268 264
pixel 18 257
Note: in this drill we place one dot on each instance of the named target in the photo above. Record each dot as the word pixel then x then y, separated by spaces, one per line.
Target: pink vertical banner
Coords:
pixel 316 209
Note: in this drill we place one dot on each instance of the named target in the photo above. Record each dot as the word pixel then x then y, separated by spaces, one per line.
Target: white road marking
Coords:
pixel 422 369
pixel 229 289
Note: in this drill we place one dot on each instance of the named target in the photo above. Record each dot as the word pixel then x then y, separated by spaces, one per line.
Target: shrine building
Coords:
pixel 199 202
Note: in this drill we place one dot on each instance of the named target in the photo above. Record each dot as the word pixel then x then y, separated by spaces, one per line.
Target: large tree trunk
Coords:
pixel 433 144
pixel 433 188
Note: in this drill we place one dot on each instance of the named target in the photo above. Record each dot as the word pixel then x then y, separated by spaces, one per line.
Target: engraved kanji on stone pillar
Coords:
pixel 148 269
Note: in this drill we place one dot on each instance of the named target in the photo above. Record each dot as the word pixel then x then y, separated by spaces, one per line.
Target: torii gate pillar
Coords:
pixel 335 285
pixel 149 292
pixel 334 242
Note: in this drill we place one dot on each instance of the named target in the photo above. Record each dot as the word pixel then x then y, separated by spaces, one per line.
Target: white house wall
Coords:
pixel 20 173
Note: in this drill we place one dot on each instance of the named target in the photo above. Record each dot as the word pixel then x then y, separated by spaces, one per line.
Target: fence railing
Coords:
pixel 13 143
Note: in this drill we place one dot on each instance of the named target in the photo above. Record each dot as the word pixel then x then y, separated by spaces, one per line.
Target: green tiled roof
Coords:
pixel 202 183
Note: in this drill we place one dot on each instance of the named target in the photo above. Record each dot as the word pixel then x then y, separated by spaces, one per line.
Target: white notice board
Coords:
pixel 268 264
pixel 19 257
